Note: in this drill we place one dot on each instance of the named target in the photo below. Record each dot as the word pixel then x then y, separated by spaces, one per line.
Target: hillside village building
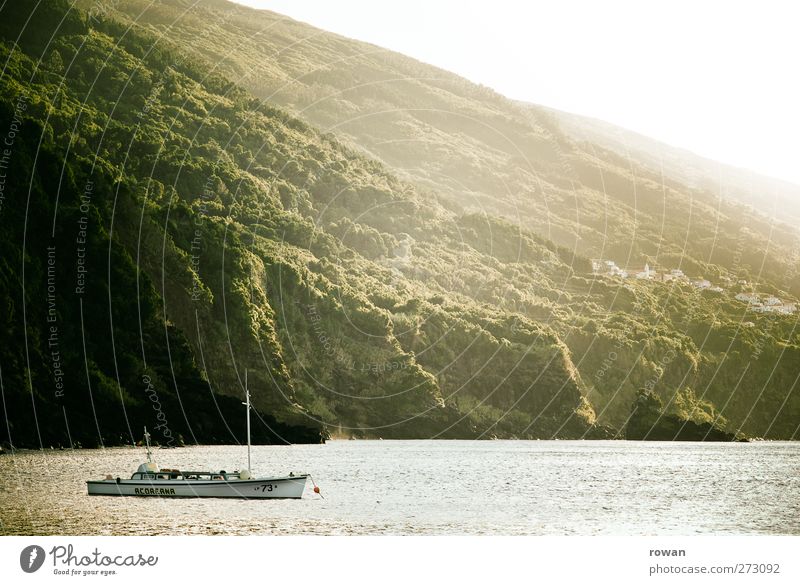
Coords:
pixel 769 304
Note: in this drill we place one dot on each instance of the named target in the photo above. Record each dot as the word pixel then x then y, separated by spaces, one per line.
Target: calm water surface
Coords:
pixel 429 487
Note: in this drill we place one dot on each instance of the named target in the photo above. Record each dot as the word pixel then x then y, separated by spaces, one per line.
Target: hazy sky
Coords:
pixel 719 78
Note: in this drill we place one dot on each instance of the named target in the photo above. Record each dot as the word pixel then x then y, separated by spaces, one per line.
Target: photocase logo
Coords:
pixel 31 558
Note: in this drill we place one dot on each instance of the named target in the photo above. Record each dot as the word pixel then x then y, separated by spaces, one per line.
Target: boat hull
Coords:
pixel 250 489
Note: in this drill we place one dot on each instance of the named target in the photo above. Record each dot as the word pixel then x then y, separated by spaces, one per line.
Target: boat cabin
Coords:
pixel 167 474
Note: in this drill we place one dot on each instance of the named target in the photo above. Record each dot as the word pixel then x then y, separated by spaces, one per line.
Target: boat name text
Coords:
pixel 154 491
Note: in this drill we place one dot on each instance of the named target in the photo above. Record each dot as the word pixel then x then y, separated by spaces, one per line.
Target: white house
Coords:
pixel 646 274
pixel 608 268
pixel 751 299
pixel 787 309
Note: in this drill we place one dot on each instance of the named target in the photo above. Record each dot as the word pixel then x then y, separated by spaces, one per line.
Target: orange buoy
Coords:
pixel 316 489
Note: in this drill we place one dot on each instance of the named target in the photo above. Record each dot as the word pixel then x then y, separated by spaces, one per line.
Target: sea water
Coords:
pixel 428 487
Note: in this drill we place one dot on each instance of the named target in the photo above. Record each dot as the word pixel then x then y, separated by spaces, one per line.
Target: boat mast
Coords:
pixel 147 442
pixel 247 394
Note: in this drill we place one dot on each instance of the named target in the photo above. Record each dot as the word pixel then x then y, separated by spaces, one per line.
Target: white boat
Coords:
pixel 149 480
pixel 193 484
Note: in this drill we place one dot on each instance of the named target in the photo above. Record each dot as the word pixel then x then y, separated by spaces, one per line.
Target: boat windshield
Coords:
pixel 157 476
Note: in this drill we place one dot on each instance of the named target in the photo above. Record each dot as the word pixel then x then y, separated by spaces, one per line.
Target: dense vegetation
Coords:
pixel 649 422
pixel 409 296
pixel 479 151
pixel 74 370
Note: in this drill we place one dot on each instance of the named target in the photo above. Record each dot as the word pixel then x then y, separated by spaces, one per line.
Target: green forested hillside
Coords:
pixel 189 230
pixel 478 150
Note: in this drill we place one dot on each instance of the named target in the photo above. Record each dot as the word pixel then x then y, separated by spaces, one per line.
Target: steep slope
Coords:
pixel 85 360
pixel 479 151
pixel 483 154
pixel 268 245
pixel 777 199
pixel 443 291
